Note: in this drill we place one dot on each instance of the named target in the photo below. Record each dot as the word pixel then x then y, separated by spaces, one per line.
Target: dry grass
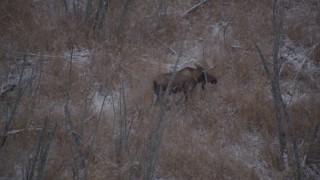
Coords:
pixel 226 131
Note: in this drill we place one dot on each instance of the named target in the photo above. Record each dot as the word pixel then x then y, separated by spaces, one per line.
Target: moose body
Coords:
pixel 185 80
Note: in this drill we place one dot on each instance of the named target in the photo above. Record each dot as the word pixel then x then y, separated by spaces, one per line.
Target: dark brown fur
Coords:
pixel 185 80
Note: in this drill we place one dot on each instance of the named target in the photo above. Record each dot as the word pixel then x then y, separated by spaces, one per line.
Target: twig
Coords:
pixel 183 15
pixel 45 152
pixel 295 82
pixel 37 156
pixel 88 119
pixel 264 61
pixel 311 143
pixel 224 36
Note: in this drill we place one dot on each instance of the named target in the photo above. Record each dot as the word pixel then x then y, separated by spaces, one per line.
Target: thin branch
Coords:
pixel 312 141
pixel 264 62
pixel 193 8
pixel 36 91
pixel 278 26
pixel 224 36
pixel 45 152
pixel 295 82
pixel 40 146
pixel 81 137
pixel 89 119
pixel 124 125
pixel 113 130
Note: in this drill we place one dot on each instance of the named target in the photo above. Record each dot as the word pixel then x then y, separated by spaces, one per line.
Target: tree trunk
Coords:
pixel 100 16
pixel 89 11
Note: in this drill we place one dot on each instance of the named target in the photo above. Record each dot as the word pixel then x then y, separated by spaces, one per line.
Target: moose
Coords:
pixel 185 80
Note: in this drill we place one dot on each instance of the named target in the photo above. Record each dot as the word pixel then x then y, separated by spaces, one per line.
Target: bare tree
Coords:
pixel 123 120
pixel 35 93
pixel 280 107
pixel 89 11
pixel 161 12
pixel 108 79
pixel 66 8
pixel 38 161
pixel 100 15
pixel 79 159
pixel 156 136
pixel 123 16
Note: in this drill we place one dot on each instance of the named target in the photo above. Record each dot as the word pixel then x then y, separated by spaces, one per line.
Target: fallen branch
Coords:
pixel 20 131
pixel 40 55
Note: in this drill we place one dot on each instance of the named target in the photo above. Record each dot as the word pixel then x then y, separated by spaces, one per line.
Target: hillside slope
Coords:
pixel 77 99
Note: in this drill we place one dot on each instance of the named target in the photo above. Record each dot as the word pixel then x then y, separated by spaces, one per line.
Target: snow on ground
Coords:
pixel 298 58
pixel 250 154
pixel 109 103
pixel 191 51
pixel 80 57
pixel 23 70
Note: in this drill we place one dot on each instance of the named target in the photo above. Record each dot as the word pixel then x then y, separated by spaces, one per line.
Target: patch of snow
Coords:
pixel 78 56
pixel 12 81
pixel 110 104
pixel 313 171
pixel 218 28
pixel 235 44
pixel 249 153
pixel 298 57
pixel 290 98
pixel 192 54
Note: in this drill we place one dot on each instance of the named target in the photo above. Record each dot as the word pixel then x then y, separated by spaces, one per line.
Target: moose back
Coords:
pixel 185 80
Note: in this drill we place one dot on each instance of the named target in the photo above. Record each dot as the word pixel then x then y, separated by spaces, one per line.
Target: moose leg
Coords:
pixel 160 92
pixel 186 94
pixel 187 90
